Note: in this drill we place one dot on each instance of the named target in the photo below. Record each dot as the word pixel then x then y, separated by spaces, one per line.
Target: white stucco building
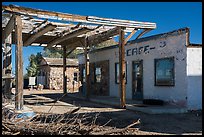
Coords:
pixel 164 66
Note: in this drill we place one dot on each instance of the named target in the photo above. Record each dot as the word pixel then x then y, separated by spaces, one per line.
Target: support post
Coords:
pixel 64 70
pixel 8 68
pixel 122 66
pixel 86 69
pixel 4 66
pixel 19 64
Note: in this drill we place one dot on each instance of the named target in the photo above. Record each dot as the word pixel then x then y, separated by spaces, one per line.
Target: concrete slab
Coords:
pixel 134 105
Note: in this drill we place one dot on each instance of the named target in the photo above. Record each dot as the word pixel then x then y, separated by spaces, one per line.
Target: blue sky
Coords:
pixel 167 15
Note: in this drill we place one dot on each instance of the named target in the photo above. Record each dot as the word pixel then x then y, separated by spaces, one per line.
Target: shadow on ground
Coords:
pixel 160 123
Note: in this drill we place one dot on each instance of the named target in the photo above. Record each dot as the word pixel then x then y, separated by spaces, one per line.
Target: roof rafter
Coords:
pixel 98 38
pixel 68 36
pixel 42 31
pixel 9 28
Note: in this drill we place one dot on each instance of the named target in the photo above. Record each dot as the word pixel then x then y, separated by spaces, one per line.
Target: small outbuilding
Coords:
pixel 51 73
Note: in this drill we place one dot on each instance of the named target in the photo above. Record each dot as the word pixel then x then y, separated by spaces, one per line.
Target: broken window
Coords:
pixel 117 77
pixel 164 72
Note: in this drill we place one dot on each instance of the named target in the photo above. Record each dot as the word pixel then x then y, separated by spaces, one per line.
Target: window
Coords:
pixel 98 75
pixel 164 72
pixel 75 76
pixel 117 77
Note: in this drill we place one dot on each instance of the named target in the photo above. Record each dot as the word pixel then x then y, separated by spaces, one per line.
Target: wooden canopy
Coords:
pixel 35 27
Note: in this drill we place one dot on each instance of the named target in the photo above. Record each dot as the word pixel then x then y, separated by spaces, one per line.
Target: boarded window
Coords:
pixel 164 72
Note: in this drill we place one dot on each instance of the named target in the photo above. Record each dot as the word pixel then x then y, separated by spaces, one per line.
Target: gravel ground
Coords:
pixel 150 124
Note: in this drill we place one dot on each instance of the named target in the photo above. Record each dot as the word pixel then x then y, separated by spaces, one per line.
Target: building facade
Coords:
pixel 51 74
pixel 164 66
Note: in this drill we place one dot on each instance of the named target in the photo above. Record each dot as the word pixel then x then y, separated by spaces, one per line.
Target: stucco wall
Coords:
pixel 166 46
pixel 194 76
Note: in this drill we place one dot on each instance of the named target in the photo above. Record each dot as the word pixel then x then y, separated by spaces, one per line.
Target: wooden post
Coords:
pixel 122 66
pixel 8 67
pixel 4 68
pixel 64 70
pixel 86 69
pixel 19 64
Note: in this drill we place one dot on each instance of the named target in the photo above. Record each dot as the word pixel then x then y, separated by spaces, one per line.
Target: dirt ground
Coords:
pixel 150 124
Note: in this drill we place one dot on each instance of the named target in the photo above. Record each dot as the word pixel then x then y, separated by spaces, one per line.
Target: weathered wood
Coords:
pixel 101 37
pixel 42 31
pixel 71 50
pixel 19 64
pixel 129 36
pixel 44 22
pixel 68 36
pixel 9 28
pixel 122 67
pixel 8 66
pixel 143 32
pixel 44 13
pixel 86 69
pixel 78 18
pixel 64 70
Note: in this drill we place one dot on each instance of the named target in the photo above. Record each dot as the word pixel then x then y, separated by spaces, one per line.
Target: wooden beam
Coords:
pixel 122 67
pixel 64 70
pixel 87 73
pixel 71 50
pixel 68 36
pixel 143 32
pixel 41 32
pixel 77 18
pixel 19 65
pixel 101 37
pixel 45 21
pixel 9 28
pixel 43 13
pixel 8 67
pixel 131 34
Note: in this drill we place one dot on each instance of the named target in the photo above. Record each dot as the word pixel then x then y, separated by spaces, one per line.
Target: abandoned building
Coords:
pixel 164 66
pixel 51 73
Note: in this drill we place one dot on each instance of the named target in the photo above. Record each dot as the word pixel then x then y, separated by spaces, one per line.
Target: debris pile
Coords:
pixel 70 123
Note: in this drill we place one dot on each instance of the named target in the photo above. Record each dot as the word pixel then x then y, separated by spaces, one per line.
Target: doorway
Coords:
pixel 137 80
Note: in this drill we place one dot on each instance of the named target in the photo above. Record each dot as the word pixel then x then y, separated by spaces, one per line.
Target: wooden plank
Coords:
pixel 8 67
pixel 64 70
pixel 101 37
pixel 129 36
pixel 86 69
pixel 45 21
pixel 9 28
pixel 44 13
pixel 41 32
pixel 68 36
pixel 71 50
pixel 19 65
pixel 78 18
pixel 122 67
